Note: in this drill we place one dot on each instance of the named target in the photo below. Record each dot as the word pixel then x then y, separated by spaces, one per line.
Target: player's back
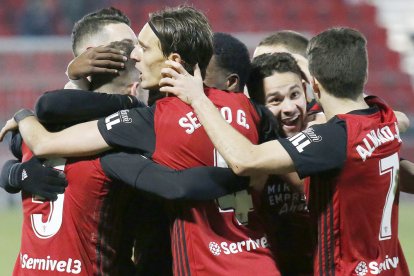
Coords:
pixel 84 232
pixel 357 209
pixel 207 238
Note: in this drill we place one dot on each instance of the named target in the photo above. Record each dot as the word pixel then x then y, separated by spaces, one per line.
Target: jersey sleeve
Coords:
pixel 269 126
pixel 74 106
pixel 200 183
pixel 15 145
pixel 131 129
pixel 5 177
pixel 318 149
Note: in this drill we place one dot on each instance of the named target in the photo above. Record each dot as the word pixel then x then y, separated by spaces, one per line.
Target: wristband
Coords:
pixel 22 114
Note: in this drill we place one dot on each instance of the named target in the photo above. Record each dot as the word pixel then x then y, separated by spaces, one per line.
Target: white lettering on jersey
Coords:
pixel 376 138
pixel 304 138
pixel 51 226
pixel 46 264
pixel 116 118
pixel 237 247
pixel 190 121
pixel 375 267
pixel 110 122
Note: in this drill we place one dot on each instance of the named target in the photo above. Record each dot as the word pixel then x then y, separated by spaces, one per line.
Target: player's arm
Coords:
pixel 403 121
pixel 75 106
pixel 406 177
pixel 80 140
pixel 274 157
pixel 241 155
pixel 200 183
pixel 131 129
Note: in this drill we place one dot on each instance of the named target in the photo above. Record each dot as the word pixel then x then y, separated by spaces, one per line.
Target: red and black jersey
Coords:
pixel 88 230
pixel 353 162
pixel 207 238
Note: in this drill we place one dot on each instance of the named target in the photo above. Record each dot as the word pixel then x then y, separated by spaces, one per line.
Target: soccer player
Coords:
pixel 286 41
pixel 71 242
pixel 207 238
pixel 88 35
pixel 78 235
pixel 352 160
pixel 277 81
pixel 229 66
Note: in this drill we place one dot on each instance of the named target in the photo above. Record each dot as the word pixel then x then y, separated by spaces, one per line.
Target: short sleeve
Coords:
pixel 319 148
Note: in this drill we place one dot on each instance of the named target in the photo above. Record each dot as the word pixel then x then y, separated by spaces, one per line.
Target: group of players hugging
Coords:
pixel 171 153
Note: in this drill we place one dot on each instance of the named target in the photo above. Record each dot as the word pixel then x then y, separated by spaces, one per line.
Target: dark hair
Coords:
pixel 126 45
pixel 338 60
pixel 295 42
pixel 93 23
pixel 186 31
pixel 265 66
pixel 232 56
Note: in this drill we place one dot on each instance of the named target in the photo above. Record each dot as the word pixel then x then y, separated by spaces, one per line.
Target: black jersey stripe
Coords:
pixel 317 210
pixel 183 249
pixel 179 251
pixel 331 230
pixel 176 253
pixel 325 229
pixel 187 263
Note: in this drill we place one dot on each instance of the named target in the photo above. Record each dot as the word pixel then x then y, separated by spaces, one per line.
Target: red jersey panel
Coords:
pixel 72 235
pixel 207 237
pixel 358 218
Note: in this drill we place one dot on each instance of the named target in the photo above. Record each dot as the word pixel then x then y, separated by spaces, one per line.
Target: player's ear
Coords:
pixel 315 87
pixel 175 57
pixel 232 83
pixel 304 86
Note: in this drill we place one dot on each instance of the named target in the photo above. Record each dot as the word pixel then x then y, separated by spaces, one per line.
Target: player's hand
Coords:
pixel 96 60
pixel 34 178
pixel 180 83
pixel 9 126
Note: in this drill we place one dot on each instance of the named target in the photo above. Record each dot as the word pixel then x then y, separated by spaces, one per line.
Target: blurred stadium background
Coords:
pixel 35 49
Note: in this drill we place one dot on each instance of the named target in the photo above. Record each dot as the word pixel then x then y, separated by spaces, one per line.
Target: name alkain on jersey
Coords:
pixel 376 138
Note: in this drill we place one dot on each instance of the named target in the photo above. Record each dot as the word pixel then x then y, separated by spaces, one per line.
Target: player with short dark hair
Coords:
pixel 277 81
pixel 230 64
pixel 354 156
pixel 88 27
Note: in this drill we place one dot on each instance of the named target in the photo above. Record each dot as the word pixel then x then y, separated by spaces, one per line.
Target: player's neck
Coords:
pixel 333 105
pixel 110 89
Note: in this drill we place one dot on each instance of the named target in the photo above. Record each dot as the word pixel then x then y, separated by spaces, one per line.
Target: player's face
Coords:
pixel 285 98
pixel 129 77
pixel 149 57
pixel 269 49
